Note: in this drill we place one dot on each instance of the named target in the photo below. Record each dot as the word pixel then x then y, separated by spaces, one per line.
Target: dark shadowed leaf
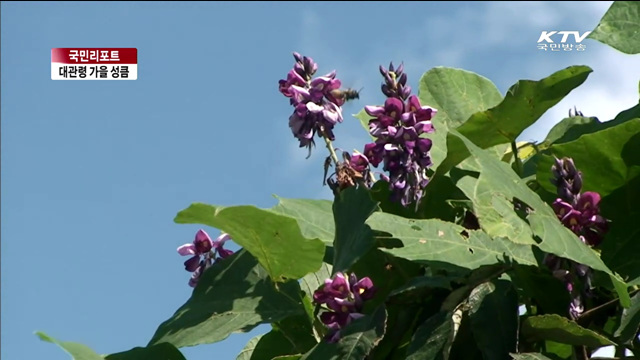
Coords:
pixel 562 330
pixel 620 27
pixel 351 208
pixel 275 240
pixel 529 356
pixel 234 295
pixel 356 340
pixel 431 338
pixel 629 321
pixel 494 305
pixel 524 103
pixel 163 351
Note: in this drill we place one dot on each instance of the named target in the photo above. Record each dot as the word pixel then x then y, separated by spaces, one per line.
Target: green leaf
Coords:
pixel 364 118
pixel 76 350
pixel 234 295
pixel 356 340
pixel 314 217
pixel 598 156
pixel 423 283
pixel 529 356
pixel 562 330
pixel 442 243
pixel 248 349
pixel 431 338
pixel 387 272
pixel 353 239
pixel 163 351
pixel 524 103
pixel 494 305
pixel 266 347
pixel 275 240
pixel 456 94
pixel 571 128
pixel 495 185
pixel 620 248
pixel 630 321
pixel 288 357
pixel 548 293
pixel 620 27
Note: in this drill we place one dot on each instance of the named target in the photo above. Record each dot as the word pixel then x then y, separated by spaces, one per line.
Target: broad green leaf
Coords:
pixel 266 347
pixel 364 118
pixel 598 156
pixel 314 217
pixel 288 357
pixel 247 351
pixel 456 94
pixel 562 330
pixel 524 103
pixel 76 350
pixel 620 27
pixel 497 183
pixel 162 351
pixel 529 356
pixel 494 305
pixel 431 338
pixel 234 295
pixel 629 321
pixel 441 243
pixel 356 340
pixel 275 240
pixel 569 129
pixel 354 239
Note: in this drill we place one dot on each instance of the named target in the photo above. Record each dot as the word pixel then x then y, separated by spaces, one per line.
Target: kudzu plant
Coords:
pixel 446 238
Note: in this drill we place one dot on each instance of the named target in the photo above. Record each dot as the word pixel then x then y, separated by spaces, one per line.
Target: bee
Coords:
pixel 346 94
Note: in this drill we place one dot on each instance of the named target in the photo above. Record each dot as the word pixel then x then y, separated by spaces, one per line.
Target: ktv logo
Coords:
pixel 546 36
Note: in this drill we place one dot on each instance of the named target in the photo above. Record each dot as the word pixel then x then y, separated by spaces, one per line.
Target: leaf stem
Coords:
pixel 514 150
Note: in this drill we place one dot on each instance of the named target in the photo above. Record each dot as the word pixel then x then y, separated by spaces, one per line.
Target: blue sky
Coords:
pixel 93 172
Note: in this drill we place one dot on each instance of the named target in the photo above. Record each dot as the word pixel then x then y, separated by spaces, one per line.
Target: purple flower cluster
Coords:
pixel 204 253
pixel 580 213
pixel 317 101
pixel 344 296
pixel 397 127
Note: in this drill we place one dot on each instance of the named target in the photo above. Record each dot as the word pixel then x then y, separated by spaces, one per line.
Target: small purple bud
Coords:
pixel 192 264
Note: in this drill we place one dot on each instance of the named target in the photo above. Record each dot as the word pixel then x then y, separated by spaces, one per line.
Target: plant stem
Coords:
pixel 514 150
pixel 327 142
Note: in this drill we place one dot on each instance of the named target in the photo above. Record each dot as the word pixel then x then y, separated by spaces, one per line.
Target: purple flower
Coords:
pixel 204 253
pixel 578 212
pixel 397 127
pixel 344 297
pixel 316 101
